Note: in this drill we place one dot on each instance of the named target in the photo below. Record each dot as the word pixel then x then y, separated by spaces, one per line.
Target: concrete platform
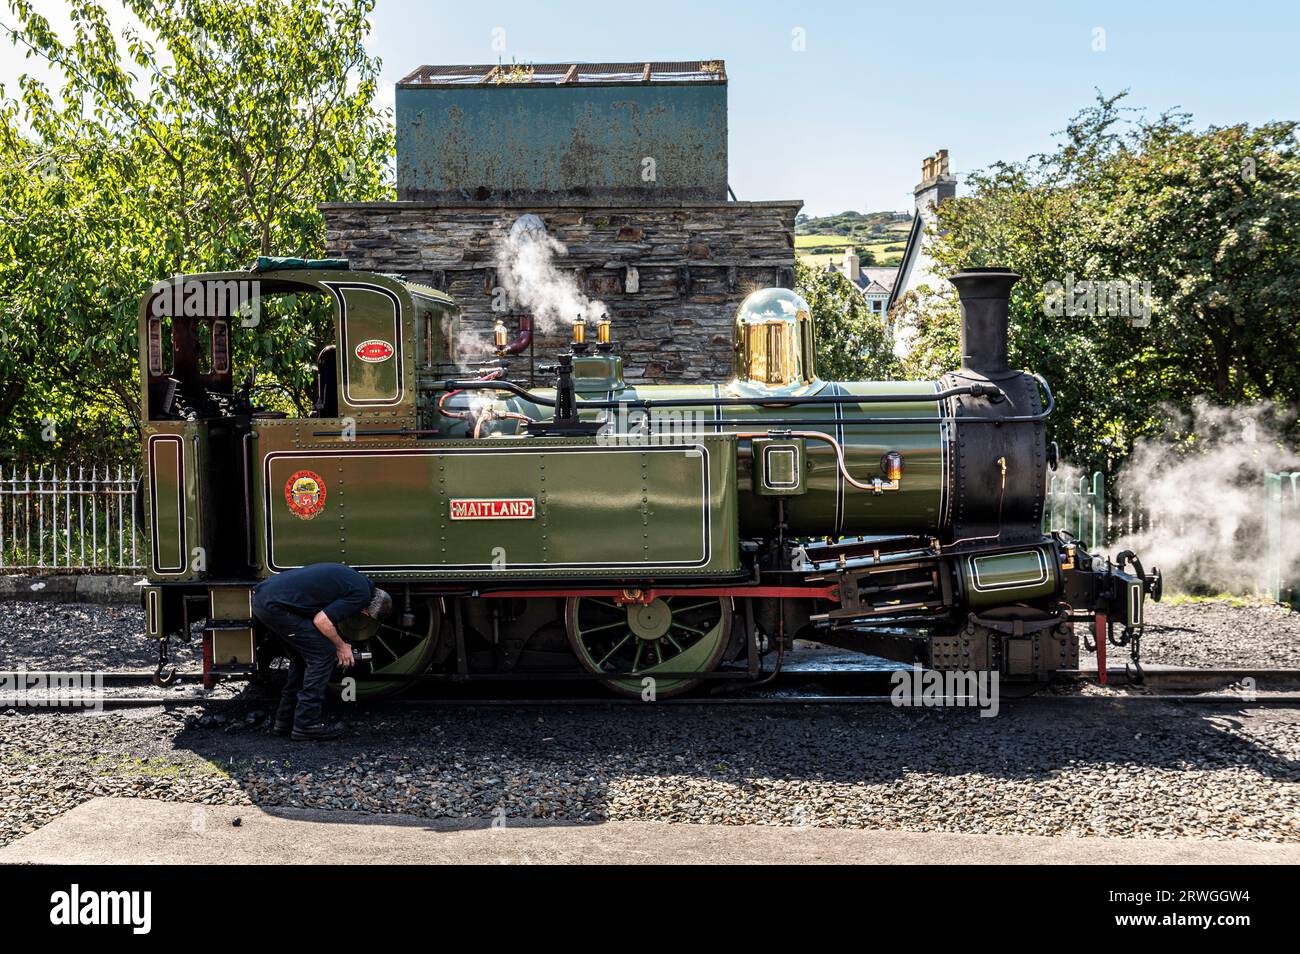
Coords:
pixel 142 831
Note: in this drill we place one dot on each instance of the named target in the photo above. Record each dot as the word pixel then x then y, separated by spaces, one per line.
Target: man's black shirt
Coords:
pixel 289 601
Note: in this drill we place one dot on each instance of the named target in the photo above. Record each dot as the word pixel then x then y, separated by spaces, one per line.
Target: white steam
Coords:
pixel 527 273
pixel 1202 491
pixel 469 344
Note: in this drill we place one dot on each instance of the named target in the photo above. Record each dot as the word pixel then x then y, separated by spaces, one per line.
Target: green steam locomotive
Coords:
pixel 640 536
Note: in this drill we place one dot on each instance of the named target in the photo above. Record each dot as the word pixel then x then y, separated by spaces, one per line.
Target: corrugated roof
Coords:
pixel 565 74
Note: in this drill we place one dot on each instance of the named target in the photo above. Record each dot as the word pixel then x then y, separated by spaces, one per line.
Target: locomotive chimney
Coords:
pixel 985 294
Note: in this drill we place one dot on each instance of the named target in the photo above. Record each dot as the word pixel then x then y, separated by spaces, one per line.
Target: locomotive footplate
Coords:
pixel 1017 648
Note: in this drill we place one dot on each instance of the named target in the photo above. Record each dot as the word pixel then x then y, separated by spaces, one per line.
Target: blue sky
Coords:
pixel 845 122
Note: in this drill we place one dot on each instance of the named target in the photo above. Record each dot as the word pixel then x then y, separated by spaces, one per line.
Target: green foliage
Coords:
pixel 203 138
pixel 1209 220
pixel 853 343
pixel 855 226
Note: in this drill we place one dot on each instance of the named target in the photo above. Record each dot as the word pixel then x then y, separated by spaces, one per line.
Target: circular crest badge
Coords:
pixel 305 494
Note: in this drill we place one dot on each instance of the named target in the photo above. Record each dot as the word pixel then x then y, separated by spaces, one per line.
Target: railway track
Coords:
pixel 1279 700
pixel 790 687
pixel 1154 677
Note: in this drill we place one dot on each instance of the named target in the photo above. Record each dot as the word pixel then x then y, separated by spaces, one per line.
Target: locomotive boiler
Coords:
pixel 644 536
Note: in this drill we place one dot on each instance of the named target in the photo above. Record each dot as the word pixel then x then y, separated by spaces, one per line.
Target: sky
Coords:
pixel 837 103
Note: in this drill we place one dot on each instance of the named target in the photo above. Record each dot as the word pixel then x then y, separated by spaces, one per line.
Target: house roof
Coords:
pixel 870 281
pixel 881 276
pixel 905 264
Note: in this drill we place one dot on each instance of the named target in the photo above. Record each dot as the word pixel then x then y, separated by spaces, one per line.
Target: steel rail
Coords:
pixel 140 702
pixel 1157 677
pixel 119 677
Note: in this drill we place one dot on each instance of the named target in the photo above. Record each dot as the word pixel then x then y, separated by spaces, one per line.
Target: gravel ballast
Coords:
pixel 1155 770
pixel 80 637
pixel 1230 634
pixel 1089 768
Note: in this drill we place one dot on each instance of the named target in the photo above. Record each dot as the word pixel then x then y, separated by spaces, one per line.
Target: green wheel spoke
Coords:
pixel 676 644
pixel 399 652
pixel 689 629
pixel 617 646
pixel 687 609
pixel 380 640
pixel 636 660
pixel 597 629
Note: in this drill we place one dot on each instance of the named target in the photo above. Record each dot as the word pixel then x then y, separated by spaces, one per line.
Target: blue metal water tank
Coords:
pixel 622 132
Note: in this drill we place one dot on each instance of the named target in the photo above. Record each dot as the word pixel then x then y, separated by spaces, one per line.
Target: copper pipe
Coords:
pixel 522 339
pixel 876 486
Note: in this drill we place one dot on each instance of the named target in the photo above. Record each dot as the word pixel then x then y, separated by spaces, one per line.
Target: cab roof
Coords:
pixel 313 271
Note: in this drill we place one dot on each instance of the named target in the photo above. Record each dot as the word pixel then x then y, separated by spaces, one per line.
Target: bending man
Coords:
pixel 304 607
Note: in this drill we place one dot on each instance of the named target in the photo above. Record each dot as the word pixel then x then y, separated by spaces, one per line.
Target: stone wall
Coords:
pixel 694 263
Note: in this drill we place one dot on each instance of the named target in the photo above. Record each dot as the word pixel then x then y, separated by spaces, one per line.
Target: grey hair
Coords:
pixel 381 604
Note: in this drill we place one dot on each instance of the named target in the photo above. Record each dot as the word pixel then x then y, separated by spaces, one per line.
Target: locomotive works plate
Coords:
pixel 373 351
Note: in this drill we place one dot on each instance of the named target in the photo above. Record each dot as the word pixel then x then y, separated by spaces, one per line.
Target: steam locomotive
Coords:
pixel 640 536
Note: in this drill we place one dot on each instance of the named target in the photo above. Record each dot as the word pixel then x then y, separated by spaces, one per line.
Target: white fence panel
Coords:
pixel 68 519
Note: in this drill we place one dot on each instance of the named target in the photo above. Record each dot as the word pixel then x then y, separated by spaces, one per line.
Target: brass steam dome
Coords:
pixel 774 342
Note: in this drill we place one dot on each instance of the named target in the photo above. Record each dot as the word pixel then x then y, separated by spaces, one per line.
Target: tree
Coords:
pixel 853 343
pixel 1207 224
pixel 199 140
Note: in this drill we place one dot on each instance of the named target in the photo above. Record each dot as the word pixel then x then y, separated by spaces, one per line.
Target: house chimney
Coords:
pixel 985 294
pixel 937 185
pixel 852 266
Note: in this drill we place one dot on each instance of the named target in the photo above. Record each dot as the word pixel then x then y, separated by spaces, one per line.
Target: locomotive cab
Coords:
pixel 206 418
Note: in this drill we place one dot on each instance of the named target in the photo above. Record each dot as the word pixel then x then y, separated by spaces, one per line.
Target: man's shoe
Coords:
pixel 282 728
pixel 318 732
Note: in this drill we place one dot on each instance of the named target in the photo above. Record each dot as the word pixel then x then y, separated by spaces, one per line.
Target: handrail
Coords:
pixel 975 390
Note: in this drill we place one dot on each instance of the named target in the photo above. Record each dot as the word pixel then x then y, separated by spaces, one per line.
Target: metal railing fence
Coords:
pixel 1281 522
pixel 69 518
pixel 1078 506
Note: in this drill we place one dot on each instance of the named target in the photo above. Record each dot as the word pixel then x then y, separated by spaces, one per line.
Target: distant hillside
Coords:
pixel 878 236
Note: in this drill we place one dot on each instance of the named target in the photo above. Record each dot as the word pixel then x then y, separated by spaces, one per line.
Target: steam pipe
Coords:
pixel 523 338
pixel 1038 418
pixel 876 485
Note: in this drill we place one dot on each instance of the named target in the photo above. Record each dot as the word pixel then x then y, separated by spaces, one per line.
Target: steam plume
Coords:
pixel 526 270
pixel 1202 488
